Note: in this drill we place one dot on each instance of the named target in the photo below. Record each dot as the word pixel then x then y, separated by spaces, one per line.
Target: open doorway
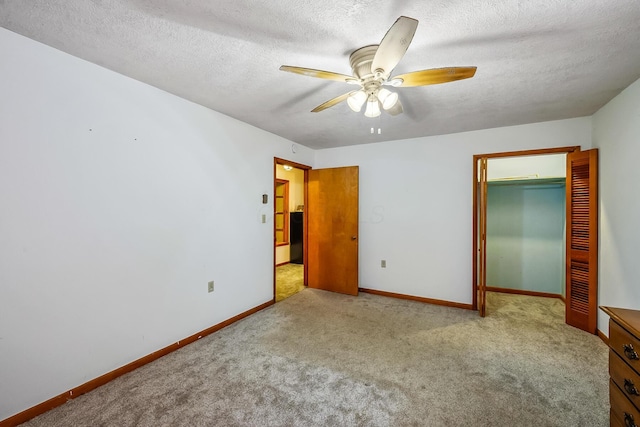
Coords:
pixel 289 228
pixel 523 243
pixel 526 225
pixel 329 219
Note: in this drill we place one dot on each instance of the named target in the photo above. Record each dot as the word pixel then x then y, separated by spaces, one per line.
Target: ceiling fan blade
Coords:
pixel 394 45
pixel 317 73
pixel 434 76
pixel 330 103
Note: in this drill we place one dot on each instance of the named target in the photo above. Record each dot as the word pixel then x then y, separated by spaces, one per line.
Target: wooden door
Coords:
pixel 482 237
pixel 332 212
pixel 582 240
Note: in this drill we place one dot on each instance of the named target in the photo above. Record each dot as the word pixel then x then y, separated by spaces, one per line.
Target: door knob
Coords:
pixel 353 237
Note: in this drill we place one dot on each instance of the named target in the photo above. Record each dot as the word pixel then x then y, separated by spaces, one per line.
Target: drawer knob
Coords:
pixel 630 387
pixel 630 352
pixel 628 420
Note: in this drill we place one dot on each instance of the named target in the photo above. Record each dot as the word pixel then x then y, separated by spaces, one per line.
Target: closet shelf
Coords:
pixel 549 181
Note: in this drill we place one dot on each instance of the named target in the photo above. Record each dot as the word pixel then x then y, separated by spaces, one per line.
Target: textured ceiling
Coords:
pixel 537 60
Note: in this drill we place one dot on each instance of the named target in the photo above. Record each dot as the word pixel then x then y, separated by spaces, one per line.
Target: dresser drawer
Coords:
pixel 615 422
pixel 621 408
pixel 626 345
pixel 626 378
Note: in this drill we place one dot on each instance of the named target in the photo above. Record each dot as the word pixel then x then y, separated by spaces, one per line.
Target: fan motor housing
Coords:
pixel 361 59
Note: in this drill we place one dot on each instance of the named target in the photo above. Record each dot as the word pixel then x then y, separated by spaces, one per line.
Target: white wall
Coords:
pixel 616 132
pixel 416 203
pixel 118 203
pixel 283 254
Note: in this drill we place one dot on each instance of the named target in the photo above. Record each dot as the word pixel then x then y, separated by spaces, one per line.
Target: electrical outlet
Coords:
pixel 383 263
pixel 264 219
pixel 211 286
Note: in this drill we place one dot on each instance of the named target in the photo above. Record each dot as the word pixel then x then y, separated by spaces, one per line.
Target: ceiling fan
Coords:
pixel 372 66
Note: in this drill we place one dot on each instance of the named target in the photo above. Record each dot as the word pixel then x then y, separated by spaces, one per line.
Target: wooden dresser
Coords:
pixel 624 366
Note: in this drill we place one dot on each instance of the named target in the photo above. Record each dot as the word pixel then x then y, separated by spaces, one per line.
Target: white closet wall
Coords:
pixel 525 237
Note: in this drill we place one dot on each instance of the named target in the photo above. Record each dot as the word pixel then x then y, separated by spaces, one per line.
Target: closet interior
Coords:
pixel 526 224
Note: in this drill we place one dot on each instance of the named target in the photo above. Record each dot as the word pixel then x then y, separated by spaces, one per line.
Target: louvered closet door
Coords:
pixel 582 240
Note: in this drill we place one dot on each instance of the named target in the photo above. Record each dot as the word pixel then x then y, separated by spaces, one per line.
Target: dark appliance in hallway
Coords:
pixel 296 227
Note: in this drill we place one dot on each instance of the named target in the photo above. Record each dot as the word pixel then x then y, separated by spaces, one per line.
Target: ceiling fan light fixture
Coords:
pixel 371 67
pixel 396 109
pixel 373 108
pixel 356 99
pixel 387 98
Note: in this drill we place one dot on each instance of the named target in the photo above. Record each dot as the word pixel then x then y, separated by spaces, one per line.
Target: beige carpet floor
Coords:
pixel 324 359
pixel 289 280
